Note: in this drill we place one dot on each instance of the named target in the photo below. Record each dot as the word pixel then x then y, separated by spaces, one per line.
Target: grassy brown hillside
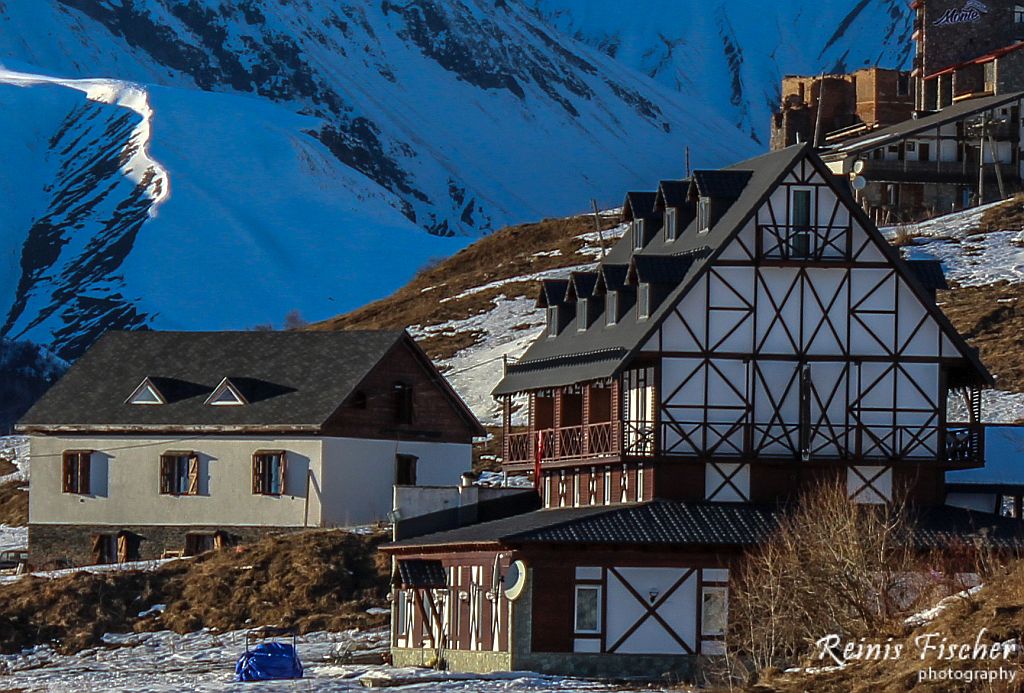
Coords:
pixel 991 317
pixel 433 296
pixel 316 580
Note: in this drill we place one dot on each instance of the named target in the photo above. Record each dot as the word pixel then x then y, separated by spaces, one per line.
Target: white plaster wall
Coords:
pixel 126 487
pixel 358 475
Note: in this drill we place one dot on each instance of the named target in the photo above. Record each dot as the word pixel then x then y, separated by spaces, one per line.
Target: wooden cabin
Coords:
pixel 752 333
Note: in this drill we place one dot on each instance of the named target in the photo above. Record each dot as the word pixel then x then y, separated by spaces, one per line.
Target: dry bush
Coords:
pixel 832 567
pixel 903 235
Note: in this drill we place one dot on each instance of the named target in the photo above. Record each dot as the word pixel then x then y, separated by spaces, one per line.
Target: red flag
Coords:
pixel 538 454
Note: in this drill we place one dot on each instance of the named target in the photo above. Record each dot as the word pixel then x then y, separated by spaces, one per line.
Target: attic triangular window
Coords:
pixel 226 395
pixel 146 393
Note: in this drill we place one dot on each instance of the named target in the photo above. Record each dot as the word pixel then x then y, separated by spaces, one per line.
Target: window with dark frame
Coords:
pixel 405 470
pixel 269 473
pixel 403 402
pixel 77 471
pixel 179 474
pixel 800 225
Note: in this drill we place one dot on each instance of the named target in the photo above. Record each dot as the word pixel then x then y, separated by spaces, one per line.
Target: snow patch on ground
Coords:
pixel 162 662
pixel 14 449
pixel 929 615
pixel 969 258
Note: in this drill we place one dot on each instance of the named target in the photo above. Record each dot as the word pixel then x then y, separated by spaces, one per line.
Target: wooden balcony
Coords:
pixel 605 439
pixel 932 171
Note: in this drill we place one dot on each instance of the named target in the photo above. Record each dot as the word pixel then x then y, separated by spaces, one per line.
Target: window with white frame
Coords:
pixel 1018 14
pixel 703 214
pixel 588 609
pixel 582 316
pixel 611 308
pixel 638 234
pixel 643 301
pixel 714 611
pixel 607 485
pixel 552 321
pixel 671 219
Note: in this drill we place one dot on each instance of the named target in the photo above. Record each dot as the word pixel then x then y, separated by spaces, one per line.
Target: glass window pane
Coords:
pixel 801 208
pixel 714 611
pixel 588 605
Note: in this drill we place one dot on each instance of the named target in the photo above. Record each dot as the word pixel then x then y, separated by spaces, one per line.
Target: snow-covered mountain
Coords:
pixel 734 53
pixel 218 163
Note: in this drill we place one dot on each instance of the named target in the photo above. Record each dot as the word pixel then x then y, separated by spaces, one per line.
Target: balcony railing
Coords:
pixel 962 447
pixel 931 171
pixel 573 442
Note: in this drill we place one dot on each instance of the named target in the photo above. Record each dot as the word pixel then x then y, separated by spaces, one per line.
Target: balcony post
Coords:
pixel 506 426
pixel 556 443
pixel 616 441
pixel 585 442
pixel 531 443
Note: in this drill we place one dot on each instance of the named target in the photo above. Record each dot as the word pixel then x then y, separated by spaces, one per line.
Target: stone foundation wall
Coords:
pixel 54 546
pixel 454 660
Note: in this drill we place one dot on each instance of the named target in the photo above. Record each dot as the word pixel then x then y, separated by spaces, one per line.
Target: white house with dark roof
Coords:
pixel 166 442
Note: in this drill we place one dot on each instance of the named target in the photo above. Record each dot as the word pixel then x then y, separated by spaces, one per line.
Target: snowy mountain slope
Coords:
pixel 734 54
pixel 293 154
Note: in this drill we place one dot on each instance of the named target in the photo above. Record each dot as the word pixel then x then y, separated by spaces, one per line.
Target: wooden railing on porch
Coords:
pixel 566 443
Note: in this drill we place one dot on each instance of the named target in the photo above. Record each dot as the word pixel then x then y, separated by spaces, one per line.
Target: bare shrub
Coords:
pixel 903 235
pixel 833 567
pixel 293 320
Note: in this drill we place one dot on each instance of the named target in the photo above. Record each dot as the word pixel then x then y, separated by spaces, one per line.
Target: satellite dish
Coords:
pixel 859 183
pixel 858 166
pixel 515 580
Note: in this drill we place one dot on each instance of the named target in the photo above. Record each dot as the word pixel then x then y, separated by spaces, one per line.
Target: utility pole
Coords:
pixel 995 164
pixel 688 172
pixel 981 159
pixel 597 225
pixel 817 119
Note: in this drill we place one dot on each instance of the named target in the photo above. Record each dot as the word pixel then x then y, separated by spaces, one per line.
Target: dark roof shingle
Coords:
pixel 288 378
pixel 721 184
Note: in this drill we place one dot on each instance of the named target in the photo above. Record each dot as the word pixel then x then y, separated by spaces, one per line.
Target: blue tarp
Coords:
pixel 268 661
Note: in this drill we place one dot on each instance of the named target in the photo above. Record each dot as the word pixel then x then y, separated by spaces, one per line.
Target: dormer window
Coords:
pixel 643 302
pixel 638 234
pixel 611 308
pixel 226 395
pixel 582 315
pixel 671 224
pixel 146 393
pixel 403 402
pixel 552 321
pixel 704 214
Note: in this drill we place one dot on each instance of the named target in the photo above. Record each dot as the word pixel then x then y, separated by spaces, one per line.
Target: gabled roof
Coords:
pixel 575 356
pixel 552 292
pixel 672 193
pixel 638 205
pixel 291 380
pixel 611 277
pixel 600 351
pixel 581 285
pixel 908 128
pixel 659 269
pixel 721 184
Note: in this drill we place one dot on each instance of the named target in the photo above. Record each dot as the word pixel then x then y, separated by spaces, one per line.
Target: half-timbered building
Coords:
pixel 751 334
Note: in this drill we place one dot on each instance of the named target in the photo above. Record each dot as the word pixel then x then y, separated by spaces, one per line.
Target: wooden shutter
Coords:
pixel 69 464
pixel 97 548
pixel 284 473
pixel 193 475
pixel 218 540
pixel 257 466
pixel 122 548
pixel 84 472
pixel 166 474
